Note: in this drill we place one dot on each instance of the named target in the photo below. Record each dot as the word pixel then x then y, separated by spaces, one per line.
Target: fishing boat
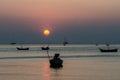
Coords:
pixel 65 42
pixel 56 62
pixel 12 43
pixel 22 48
pixel 108 49
pixel 45 48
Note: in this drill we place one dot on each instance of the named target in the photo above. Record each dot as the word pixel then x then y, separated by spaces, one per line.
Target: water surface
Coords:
pixel 81 62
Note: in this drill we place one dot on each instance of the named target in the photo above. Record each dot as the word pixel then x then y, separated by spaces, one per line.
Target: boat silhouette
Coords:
pixel 65 42
pixel 56 62
pixel 12 43
pixel 108 49
pixel 22 48
pixel 45 48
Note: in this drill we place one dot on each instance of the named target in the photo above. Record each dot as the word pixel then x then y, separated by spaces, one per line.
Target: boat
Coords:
pixel 65 43
pixel 45 48
pixel 21 48
pixel 12 43
pixel 108 50
pixel 56 62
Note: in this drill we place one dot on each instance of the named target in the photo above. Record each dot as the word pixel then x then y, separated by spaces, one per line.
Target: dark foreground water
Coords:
pixel 81 62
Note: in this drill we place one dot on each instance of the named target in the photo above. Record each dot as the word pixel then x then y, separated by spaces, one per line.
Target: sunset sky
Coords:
pixel 80 21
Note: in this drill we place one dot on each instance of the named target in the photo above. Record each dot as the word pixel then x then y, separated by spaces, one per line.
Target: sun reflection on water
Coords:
pixel 46 69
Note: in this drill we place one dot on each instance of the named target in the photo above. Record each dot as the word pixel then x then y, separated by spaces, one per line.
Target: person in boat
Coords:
pixel 56 62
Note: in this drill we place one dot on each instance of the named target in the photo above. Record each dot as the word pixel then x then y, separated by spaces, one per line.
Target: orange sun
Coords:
pixel 46 32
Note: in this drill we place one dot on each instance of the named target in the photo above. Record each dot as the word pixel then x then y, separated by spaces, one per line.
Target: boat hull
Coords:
pixel 108 50
pixel 45 48
pixel 56 63
pixel 22 48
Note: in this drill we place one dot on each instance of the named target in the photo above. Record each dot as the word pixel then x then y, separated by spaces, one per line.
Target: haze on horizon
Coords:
pixel 80 21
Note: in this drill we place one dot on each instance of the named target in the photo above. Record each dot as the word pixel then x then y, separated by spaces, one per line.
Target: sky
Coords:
pixel 79 21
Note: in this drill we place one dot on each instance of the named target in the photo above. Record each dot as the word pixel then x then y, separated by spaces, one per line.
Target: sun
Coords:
pixel 46 32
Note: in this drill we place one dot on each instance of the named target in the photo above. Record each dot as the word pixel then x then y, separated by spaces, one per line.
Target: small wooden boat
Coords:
pixel 65 43
pixel 108 50
pixel 56 62
pixel 45 48
pixel 18 48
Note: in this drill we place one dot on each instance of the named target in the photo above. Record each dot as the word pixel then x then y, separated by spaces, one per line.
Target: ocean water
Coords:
pixel 81 62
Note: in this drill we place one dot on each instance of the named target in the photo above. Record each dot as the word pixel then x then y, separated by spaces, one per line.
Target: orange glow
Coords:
pixel 46 69
pixel 52 10
pixel 46 32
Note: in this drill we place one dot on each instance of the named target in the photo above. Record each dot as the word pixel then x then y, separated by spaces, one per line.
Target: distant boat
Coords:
pixel 12 43
pixel 108 49
pixel 65 42
pixel 45 48
pixel 22 48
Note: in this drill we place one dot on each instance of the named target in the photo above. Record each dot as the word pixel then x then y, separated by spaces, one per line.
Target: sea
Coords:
pixel 80 62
